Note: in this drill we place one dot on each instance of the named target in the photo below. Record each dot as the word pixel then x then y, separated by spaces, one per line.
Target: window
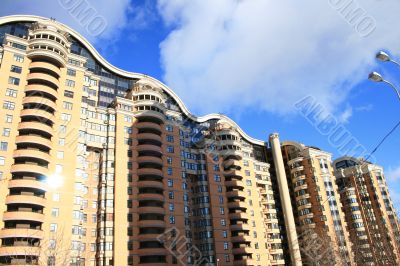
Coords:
pixel 171 195
pixel 169 128
pixel 13 81
pixel 224 234
pixel 71 72
pixel 223 222
pixel 8 105
pixel 221 210
pixel 169 170
pixel 61 142
pixel 11 93
pixel 65 117
pixel 170 183
pixel 69 83
pixel 67 105
pixel 247 172
pixel 248 182
pixel 170 149
pixel 3 146
pixel 6 132
pixel 18 58
pixel 172 219
pixel 69 94
pixel 55 212
pixel 56 196
pixel 169 160
pixel 226 245
pixel 16 69
pixel 170 138
pixel 53 228
pixel 60 155
pixel 227 258
pixel 217 178
pixel 2 160
pixel 9 118
pixel 171 207
pixel 1 175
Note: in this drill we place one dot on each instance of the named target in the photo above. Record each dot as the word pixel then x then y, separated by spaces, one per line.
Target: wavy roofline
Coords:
pixel 127 74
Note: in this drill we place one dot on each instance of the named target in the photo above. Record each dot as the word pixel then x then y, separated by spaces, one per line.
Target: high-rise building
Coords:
pixel 372 221
pixel 99 166
pixel 316 205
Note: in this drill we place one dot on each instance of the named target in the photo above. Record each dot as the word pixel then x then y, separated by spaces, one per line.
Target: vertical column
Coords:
pixel 285 199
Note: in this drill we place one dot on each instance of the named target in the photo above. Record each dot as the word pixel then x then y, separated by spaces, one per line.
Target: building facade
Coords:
pixel 100 166
pixel 372 221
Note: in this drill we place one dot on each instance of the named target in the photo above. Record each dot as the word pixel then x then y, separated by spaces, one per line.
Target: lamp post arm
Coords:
pixel 393 87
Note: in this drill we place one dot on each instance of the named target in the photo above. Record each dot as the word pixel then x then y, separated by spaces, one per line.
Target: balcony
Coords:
pixel 19 251
pixel 29 168
pixel 151 184
pixel 46 66
pixel 242 250
pixel 150 196
pixel 151 125
pixel 23 216
pixel 37 52
pixel 41 90
pixel 151 136
pixel 30 153
pixel 237 204
pixel 25 199
pixel 46 129
pixel 41 115
pixel 149 147
pixel 33 139
pixel 151 223
pixel 158 210
pixel 149 159
pixel 32 77
pixel 149 171
pixel 21 232
pixel 42 102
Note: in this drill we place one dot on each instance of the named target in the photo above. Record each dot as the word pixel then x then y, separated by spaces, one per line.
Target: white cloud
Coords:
pixel 346 114
pixel 269 54
pixel 114 13
pixel 393 174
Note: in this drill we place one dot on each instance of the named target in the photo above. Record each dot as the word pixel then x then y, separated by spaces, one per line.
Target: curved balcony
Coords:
pixel 151 136
pixel 149 171
pixel 151 184
pixel 45 66
pixel 158 210
pixel 295 160
pixel 27 183
pixel 45 77
pixel 237 204
pixel 238 216
pixel 233 172
pixel 29 168
pixel 24 251
pixel 244 262
pixel 239 239
pixel 151 125
pixel 236 193
pixel 149 159
pixel 33 139
pixel 150 113
pixel 234 183
pixel 36 126
pixel 235 153
pixel 239 227
pixel 151 223
pixel 21 232
pixel 48 54
pixel 242 250
pixel 296 169
pixel 38 113
pixel 51 43
pixel 40 101
pixel 304 186
pixel 23 216
pixel 41 90
pixel 25 199
pixel 150 196
pixel 152 251
pixel 28 153
pixel 149 147
pixel 148 237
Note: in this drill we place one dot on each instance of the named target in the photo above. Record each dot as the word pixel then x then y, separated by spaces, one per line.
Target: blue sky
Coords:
pixel 253 60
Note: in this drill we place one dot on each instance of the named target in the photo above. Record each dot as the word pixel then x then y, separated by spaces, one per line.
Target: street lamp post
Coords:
pixel 376 77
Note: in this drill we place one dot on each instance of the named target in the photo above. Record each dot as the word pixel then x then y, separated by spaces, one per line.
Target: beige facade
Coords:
pixel 100 166
pixel 372 221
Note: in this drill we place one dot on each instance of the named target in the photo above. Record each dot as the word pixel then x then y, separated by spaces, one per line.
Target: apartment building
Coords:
pixel 100 166
pixel 372 221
